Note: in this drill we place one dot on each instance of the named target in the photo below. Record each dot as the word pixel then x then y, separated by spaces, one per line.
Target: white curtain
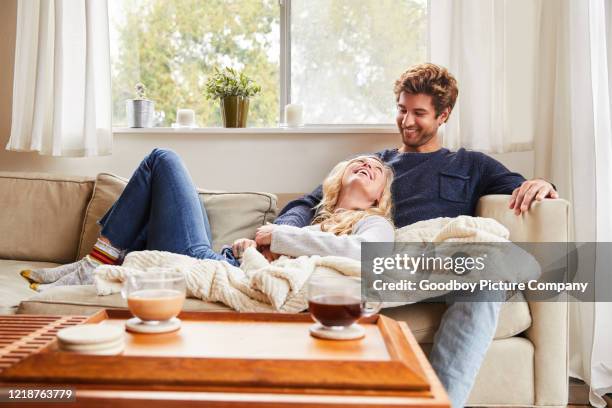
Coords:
pixel 488 46
pixel 62 84
pixel 574 148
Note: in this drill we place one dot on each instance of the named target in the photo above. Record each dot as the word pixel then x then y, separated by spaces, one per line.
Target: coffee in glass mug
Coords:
pixel 336 302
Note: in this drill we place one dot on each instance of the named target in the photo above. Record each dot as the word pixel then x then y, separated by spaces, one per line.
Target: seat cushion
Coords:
pixel 507 375
pixel 83 300
pixel 13 287
pixel 424 318
pixel 232 215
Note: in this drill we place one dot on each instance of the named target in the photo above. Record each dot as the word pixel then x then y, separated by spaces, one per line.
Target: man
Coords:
pixel 431 181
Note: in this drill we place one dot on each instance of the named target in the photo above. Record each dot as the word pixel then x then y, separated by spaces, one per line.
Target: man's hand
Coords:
pixel 240 245
pixel 263 236
pixel 523 196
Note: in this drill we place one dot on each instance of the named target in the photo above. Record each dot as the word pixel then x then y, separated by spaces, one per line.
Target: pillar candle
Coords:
pixel 293 114
pixel 185 117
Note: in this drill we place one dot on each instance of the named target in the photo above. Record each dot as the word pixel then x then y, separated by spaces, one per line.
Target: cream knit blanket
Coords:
pixel 259 285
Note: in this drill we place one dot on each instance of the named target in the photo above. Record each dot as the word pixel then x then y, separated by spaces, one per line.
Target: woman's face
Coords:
pixel 367 174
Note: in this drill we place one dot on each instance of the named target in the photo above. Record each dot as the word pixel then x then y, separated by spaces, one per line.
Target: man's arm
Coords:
pixel 300 212
pixel 497 179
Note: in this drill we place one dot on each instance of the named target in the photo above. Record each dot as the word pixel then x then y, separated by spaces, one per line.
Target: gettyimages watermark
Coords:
pixel 552 271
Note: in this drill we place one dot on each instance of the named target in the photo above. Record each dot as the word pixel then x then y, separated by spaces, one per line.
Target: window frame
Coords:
pixel 285 94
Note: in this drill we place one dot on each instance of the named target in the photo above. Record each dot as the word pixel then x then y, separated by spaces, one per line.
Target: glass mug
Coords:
pixel 336 303
pixel 155 296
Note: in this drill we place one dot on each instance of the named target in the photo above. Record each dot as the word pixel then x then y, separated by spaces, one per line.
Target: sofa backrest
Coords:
pixel 41 215
pixel 232 215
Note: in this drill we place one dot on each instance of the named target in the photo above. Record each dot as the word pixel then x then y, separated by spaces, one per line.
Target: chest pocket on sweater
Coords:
pixel 454 187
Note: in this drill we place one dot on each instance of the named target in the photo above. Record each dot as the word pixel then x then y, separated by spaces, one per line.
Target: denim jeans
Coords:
pixel 466 331
pixel 160 210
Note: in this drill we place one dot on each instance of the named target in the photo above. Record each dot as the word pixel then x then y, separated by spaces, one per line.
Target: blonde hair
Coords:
pixel 342 222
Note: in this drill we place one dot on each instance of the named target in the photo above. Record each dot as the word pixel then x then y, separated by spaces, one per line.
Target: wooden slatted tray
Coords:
pixel 22 335
pixel 240 352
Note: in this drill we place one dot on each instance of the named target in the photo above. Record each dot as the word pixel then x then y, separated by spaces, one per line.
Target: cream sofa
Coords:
pixel 47 220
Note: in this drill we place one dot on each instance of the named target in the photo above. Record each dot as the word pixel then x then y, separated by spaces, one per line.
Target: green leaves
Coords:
pixel 141 91
pixel 230 82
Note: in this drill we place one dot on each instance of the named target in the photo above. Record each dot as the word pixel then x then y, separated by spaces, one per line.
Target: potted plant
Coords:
pixel 140 110
pixel 233 89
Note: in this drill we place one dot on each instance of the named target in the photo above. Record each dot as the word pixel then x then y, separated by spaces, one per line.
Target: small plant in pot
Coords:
pixel 233 89
pixel 140 110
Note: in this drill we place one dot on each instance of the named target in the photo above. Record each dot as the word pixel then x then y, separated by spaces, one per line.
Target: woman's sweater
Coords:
pixel 310 240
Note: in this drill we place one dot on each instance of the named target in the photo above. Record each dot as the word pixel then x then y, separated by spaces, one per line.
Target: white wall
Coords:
pixel 282 163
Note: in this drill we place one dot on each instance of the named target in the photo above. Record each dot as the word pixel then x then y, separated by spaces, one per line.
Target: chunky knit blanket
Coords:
pixel 259 286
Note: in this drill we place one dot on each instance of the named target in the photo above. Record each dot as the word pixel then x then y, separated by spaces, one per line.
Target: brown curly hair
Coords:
pixel 429 79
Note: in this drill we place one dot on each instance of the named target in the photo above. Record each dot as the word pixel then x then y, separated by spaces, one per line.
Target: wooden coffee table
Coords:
pixel 224 359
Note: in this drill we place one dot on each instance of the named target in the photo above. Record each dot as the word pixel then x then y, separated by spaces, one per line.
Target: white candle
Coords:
pixel 293 114
pixel 185 117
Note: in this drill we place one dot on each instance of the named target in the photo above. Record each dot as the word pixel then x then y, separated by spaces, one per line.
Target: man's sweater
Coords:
pixel 427 185
pixel 310 240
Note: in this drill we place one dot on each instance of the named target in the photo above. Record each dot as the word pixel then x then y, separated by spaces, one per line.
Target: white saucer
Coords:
pixel 138 326
pixel 109 351
pixel 84 348
pixel 90 334
pixel 352 332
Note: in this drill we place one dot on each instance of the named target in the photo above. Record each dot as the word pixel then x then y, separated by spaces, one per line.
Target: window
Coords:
pixel 347 54
pixel 339 58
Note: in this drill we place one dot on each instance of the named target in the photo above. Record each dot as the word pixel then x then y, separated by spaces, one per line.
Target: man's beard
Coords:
pixel 423 137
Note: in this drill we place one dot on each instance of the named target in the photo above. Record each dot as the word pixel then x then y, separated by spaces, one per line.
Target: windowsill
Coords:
pixel 309 129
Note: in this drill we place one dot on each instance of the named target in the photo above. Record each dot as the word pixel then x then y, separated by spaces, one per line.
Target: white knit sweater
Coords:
pixel 310 240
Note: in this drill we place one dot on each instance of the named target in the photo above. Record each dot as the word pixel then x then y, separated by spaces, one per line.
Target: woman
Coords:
pixel 159 209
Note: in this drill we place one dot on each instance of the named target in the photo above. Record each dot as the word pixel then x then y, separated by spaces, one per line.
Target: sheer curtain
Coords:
pixel 489 47
pixel 542 68
pixel 62 84
pixel 574 147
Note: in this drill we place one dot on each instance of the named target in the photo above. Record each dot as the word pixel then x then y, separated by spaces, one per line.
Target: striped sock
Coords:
pixel 103 253
pixel 81 271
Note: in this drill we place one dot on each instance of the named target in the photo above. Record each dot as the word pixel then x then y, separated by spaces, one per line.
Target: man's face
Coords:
pixel 417 122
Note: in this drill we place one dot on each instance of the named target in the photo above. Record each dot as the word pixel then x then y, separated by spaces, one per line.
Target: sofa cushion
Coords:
pixel 231 215
pixel 83 300
pixel 424 318
pixel 107 189
pixel 13 287
pixel 42 216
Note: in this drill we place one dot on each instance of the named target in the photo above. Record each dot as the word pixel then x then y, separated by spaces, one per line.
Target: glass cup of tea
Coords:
pixel 335 304
pixel 155 298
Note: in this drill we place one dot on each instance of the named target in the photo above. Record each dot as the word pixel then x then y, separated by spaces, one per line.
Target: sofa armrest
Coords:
pixel 546 221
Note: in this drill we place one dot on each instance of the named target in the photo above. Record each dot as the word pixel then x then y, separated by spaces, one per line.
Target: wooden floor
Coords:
pixel 579 395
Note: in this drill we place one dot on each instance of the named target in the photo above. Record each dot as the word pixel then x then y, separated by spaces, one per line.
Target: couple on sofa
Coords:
pixel 159 209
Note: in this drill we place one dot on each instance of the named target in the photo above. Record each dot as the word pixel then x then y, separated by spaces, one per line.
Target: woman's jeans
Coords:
pixel 160 210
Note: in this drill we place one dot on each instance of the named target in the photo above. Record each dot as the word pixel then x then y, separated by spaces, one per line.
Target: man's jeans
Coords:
pixel 462 340
pixel 160 210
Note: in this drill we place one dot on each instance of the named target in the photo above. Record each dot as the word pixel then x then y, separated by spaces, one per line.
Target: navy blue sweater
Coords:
pixel 426 186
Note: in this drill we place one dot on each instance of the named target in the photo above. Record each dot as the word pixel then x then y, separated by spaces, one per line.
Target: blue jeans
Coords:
pixel 466 331
pixel 160 210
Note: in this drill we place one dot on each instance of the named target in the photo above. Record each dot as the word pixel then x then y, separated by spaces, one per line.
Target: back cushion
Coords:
pixel 231 215
pixel 41 216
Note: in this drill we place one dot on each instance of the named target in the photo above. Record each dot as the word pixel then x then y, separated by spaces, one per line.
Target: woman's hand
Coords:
pixel 240 245
pixel 269 255
pixel 263 236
